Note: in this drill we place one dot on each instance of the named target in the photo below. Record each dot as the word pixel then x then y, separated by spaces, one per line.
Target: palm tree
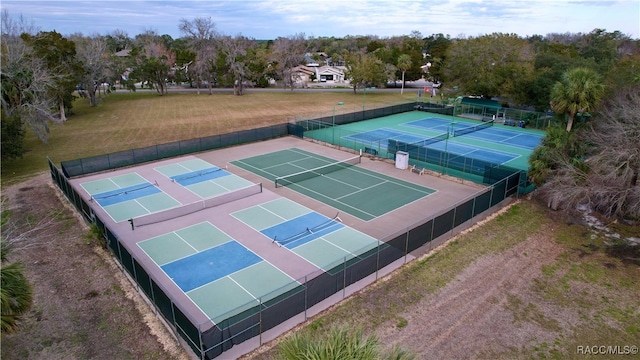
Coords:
pixel 578 91
pixel 558 148
pixel 404 64
pixel 15 292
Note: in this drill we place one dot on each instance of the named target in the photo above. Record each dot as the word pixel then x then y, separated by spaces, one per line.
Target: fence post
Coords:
pixel 378 260
pixel 260 319
pixel 453 221
pixel 433 220
pixel 306 296
pixel 344 277
pixel 493 188
pixel 406 246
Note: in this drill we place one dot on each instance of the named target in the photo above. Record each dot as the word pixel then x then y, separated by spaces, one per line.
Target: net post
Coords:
pixel 132 225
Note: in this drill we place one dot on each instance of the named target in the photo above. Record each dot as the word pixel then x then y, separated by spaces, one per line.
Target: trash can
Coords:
pixel 402 160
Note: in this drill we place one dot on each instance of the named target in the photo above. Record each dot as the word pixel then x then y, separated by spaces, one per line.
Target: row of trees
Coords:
pixel 42 71
pixel 50 67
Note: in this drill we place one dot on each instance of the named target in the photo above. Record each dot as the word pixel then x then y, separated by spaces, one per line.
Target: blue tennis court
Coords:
pixel 383 135
pixel 221 276
pixel 127 196
pixel 202 178
pixel 474 152
pixel 507 137
pixel 489 134
pixel 302 229
pixel 380 137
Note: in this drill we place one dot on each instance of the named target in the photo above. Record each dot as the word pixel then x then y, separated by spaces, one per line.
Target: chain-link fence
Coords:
pixel 209 340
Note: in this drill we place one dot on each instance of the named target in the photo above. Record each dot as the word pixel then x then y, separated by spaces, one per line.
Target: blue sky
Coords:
pixel 270 19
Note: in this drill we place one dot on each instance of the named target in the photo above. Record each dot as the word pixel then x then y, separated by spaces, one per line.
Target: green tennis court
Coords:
pixel 343 185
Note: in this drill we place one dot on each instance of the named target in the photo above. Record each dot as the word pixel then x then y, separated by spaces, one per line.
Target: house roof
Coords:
pixel 123 53
pixel 303 69
pixel 330 70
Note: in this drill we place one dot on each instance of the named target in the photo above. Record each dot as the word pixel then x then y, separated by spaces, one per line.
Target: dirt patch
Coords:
pixel 480 310
pixel 83 305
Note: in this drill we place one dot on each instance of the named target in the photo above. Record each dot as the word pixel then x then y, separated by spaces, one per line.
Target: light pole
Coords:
pixel 333 122
pixel 445 160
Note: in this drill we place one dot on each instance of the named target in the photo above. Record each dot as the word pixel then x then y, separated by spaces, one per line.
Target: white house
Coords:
pixel 330 74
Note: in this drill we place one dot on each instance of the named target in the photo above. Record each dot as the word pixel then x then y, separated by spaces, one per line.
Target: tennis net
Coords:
pixel 402 146
pixel 325 225
pixel 196 206
pixel 315 172
pixel 471 129
pixel 308 231
pixel 195 174
pixel 123 192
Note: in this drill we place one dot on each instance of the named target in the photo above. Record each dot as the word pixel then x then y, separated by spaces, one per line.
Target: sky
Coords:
pixel 269 19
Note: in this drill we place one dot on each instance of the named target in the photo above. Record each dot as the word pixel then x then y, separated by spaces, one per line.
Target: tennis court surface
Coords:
pixel 324 242
pixel 341 184
pixel 220 275
pixel 451 145
pixel 226 256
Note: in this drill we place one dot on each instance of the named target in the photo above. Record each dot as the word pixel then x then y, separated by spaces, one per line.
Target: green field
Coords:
pixel 131 120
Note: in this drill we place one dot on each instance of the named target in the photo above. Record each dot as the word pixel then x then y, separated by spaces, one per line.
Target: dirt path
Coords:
pixel 469 316
pixel 74 316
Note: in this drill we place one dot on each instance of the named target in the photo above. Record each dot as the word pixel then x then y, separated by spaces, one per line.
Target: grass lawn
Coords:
pixel 126 120
pixel 558 291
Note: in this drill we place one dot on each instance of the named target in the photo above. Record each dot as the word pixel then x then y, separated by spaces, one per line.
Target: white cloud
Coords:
pixel 339 18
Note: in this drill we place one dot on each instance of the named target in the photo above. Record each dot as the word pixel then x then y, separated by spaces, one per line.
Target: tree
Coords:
pixel 260 65
pixel 436 47
pixel 58 56
pixel 201 38
pixel 600 47
pixel 118 40
pixel 338 343
pixel 234 51
pixel 12 136
pixel 25 80
pixel 16 294
pixel 92 53
pixel 579 91
pixel 413 45
pixel 152 61
pixel 607 177
pixel 404 64
pixel 558 148
pixel 489 65
pixel 286 54
pixel 551 61
pixel 364 69
pixel 614 156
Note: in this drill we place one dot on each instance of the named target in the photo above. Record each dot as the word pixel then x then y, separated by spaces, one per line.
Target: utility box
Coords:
pixel 402 160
